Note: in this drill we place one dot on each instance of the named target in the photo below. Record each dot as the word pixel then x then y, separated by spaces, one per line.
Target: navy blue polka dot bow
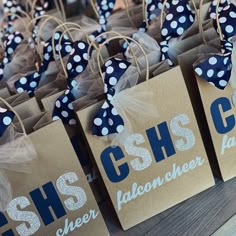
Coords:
pixel 6 119
pixel 30 82
pixel 212 9
pixel 217 69
pixel 152 11
pixel 11 43
pixel 77 63
pixel 105 8
pixel 11 6
pixel 180 17
pixel 107 120
pixel 38 11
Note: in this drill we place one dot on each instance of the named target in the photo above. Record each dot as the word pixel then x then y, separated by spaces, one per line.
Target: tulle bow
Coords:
pixel 217 69
pixel 11 43
pixel 31 82
pixel 77 63
pixel 180 17
pixel 107 120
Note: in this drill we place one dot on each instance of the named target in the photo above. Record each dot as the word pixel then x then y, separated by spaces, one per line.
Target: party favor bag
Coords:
pixel 146 143
pixel 213 94
pixel 54 198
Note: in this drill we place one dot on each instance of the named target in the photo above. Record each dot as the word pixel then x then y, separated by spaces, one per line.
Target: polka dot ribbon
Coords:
pixel 6 118
pixel 105 8
pixel 11 43
pixel 77 63
pixel 30 82
pixel 212 9
pixel 180 17
pixel 217 69
pixel 39 10
pixel 152 12
pixel 107 120
pixel 11 6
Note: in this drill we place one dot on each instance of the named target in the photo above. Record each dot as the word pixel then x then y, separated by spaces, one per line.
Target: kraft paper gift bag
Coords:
pixel 146 143
pixel 214 94
pixel 54 198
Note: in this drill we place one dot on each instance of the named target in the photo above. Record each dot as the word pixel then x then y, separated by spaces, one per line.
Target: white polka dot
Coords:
pixel 105 105
pixel 108 63
pixel 182 19
pixel 164 49
pixel 72 122
pixel 212 84
pixel 98 121
pixel 210 73
pixel 109 70
pixel 180 9
pixel 169 16
pixel 33 84
pixel 164 32
pixel 7 120
pixel 49 48
pixel 175 2
pixel 79 69
pixel 58 104
pixel 112 81
pixel 173 24
pixel 20 90
pixel 55 118
pixel 198 71
pixel 110 122
pixel 23 80
pixel 226 60
pixel 65 99
pixel 74 83
pixel 114 112
pixel 68 48
pixel 212 61
pixel 17 39
pixel 69 66
pixel 229 29
pixel 222 20
pixel 65 114
pixel 104 131
pixel 191 18
pixel 70 106
pixel 180 30
pixel 77 58
pixel 223 83
pixel 56 36
pixel 122 65
pixel 9 50
pixel 85 56
pixel 232 14
pixel 120 128
pixel 220 74
pixel 81 46
pixel 1 71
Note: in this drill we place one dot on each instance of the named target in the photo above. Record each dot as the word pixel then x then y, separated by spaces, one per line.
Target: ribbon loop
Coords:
pixel 6 119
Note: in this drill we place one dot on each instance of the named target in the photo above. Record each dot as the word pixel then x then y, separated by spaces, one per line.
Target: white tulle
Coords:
pixel 150 46
pixel 130 104
pixel 16 153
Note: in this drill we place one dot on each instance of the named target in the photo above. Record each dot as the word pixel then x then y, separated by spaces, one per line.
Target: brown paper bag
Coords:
pixel 162 162
pixel 54 198
pixel 214 108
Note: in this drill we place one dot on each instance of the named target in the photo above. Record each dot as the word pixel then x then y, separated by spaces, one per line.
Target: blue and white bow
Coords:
pixel 180 17
pixel 105 8
pixel 30 82
pixel 77 63
pixel 212 9
pixel 217 69
pixel 38 11
pixel 6 119
pixel 11 43
pixel 11 6
pixel 107 120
